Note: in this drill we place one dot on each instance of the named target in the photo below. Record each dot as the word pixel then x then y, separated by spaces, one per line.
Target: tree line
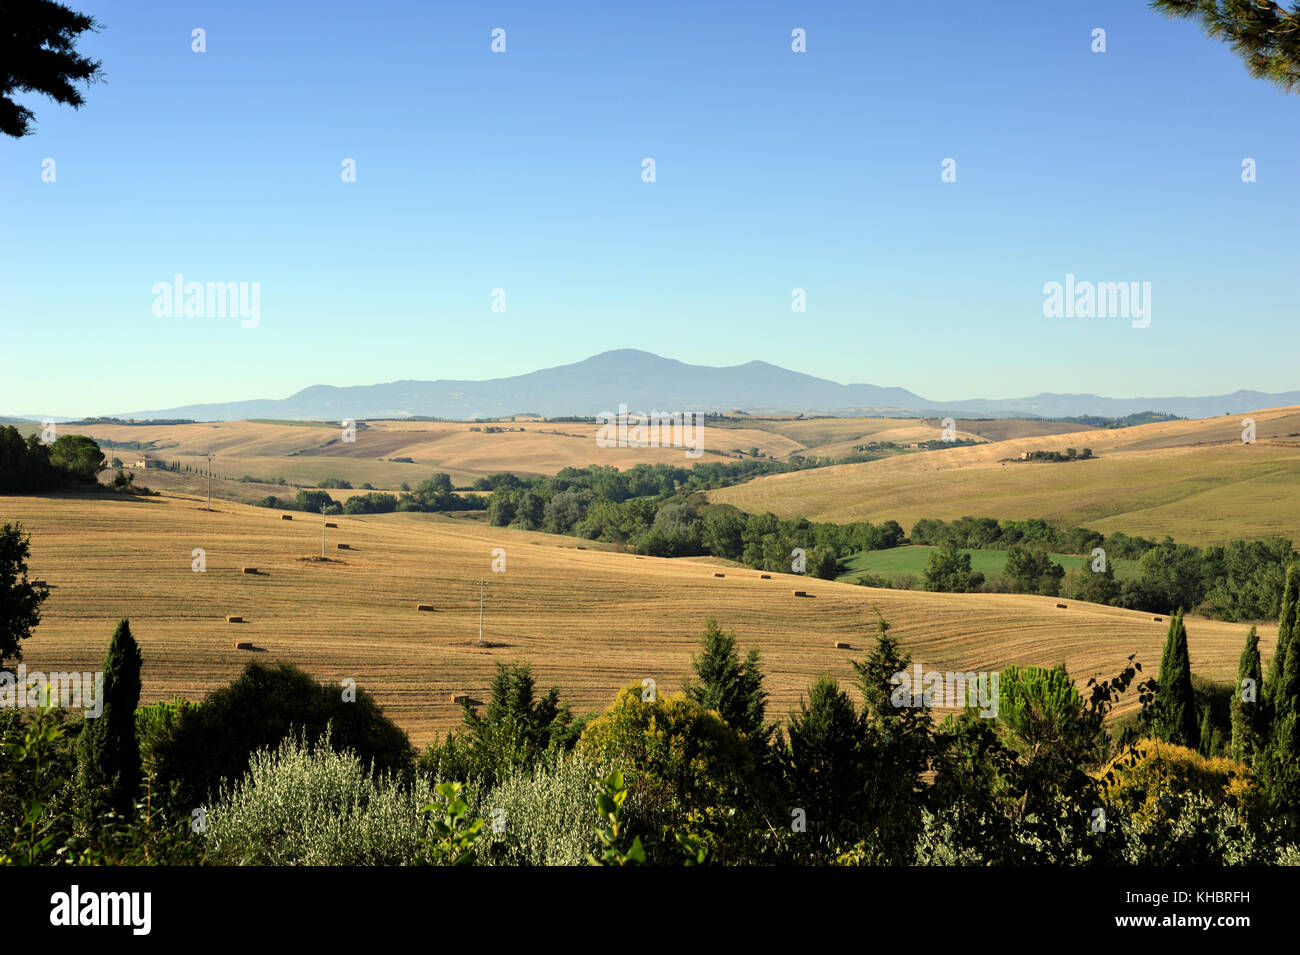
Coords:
pixel 432 494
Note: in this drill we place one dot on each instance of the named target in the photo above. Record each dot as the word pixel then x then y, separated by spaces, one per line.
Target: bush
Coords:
pixel 546 815
pixel 311 805
pixel 1141 780
pixel 685 767
pixel 267 703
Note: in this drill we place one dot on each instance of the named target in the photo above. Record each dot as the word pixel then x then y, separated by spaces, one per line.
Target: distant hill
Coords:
pixel 645 382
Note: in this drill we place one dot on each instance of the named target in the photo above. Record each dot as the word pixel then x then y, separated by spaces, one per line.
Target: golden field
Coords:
pixel 1193 480
pixel 589 620
pixel 306 452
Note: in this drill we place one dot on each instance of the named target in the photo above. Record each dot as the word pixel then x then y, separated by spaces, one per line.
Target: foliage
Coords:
pixel 305 804
pixel 267 703
pixel 828 764
pixel 20 598
pixel 454 835
pixel 731 687
pixel 108 753
pixel 949 571
pixel 78 456
pixel 1266 35
pixel 684 765
pixel 544 814
pixel 1031 571
pixel 36 764
pixel 1173 717
pixel 612 831
pixel 38 48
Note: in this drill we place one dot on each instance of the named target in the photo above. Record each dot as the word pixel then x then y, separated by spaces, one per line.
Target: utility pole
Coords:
pixel 209 457
pixel 322 531
pixel 481 584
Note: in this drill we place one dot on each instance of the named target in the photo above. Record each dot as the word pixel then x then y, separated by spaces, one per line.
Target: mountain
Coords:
pixel 646 382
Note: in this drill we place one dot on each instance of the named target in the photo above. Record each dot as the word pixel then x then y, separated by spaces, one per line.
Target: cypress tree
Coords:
pixel 1274 690
pixel 1174 714
pixel 108 753
pixel 1247 723
pixel 1206 732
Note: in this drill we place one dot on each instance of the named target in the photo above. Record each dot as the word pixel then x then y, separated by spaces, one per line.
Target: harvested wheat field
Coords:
pixel 589 620
pixel 1194 480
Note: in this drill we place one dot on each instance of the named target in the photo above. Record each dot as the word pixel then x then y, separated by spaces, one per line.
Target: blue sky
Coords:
pixel 774 170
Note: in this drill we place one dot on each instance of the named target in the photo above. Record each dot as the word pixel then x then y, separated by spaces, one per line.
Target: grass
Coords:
pixel 913 558
pixel 1193 480
pixel 590 621
pixel 303 452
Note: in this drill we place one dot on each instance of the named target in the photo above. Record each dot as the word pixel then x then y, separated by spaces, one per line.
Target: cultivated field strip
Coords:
pixel 589 620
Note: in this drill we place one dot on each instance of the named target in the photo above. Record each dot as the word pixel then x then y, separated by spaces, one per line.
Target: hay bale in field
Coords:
pixel 719 575
pixel 230 618
pixel 765 576
pixel 286 517
pixel 1060 606
pixel 801 593
pixel 39 583
pixel 428 607
pixel 580 547
pixel 840 645
pixel 251 570
pixel 465 699
pixel 330 524
pixel 344 546
pixel 1158 619
pixel 243 645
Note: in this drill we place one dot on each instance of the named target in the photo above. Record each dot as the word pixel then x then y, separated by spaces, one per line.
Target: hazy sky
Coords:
pixel 775 170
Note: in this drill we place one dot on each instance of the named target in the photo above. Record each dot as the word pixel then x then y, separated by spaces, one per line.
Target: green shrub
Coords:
pixel 545 816
pixel 263 706
pixel 305 804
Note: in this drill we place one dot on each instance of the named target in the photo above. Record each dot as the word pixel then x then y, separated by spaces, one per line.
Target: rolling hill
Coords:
pixel 590 621
pixel 1194 480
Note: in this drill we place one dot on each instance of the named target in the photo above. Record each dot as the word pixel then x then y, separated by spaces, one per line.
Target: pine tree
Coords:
pixel 1174 711
pixel 902 737
pixel 730 686
pixel 1247 722
pixel 828 764
pixel 1264 34
pixel 108 753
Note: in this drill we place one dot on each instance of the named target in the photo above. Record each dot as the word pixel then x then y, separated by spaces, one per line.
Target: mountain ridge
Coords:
pixel 645 381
